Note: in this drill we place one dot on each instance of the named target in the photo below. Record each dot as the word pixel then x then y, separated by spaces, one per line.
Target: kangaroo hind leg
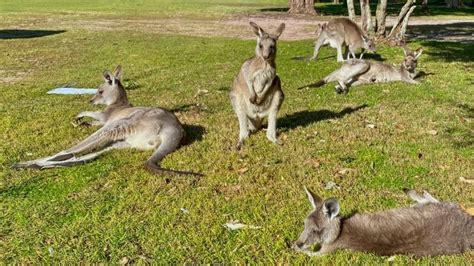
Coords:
pixel 426 198
pixel 170 141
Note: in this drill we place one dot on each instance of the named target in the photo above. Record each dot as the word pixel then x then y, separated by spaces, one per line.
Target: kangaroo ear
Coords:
pixel 279 30
pixel 418 52
pixel 406 50
pixel 331 208
pixel 118 73
pixel 257 29
pixel 313 199
pixel 108 77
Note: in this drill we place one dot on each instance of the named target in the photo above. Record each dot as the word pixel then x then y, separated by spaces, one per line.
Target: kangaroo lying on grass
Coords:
pixel 124 126
pixel 339 32
pixel 428 228
pixel 356 72
pixel 257 92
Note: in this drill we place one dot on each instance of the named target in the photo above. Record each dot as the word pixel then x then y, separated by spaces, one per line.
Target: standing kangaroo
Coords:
pixel 339 32
pixel 257 92
pixel 429 228
pixel 356 72
pixel 124 126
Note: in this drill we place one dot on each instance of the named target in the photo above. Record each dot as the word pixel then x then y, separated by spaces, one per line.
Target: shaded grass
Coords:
pixel 112 208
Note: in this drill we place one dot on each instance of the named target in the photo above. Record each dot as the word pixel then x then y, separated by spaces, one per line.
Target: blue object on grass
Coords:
pixel 72 91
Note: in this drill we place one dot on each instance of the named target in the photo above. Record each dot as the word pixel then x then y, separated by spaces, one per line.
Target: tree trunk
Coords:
pixel 380 18
pixel 365 16
pixel 424 5
pixel 403 29
pixel 336 1
pixel 301 7
pixel 454 3
pixel 350 8
pixel 402 21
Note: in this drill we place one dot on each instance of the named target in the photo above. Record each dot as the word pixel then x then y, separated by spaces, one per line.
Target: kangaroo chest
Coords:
pixel 263 79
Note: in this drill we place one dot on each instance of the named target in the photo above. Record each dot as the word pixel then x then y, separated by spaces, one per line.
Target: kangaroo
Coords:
pixel 356 72
pixel 429 228
pixel 339 32
pixel 256 92
pixel 123 126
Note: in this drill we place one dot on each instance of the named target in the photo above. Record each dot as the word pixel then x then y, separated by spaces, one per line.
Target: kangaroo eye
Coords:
pixel 261 46
pixel 100 92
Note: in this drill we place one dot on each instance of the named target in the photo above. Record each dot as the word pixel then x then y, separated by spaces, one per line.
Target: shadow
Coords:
pixel 460 32
pixel 449 51
pixel 376 57
pixel 423 74
pixel 193 133
pixel 26 34
pixel 274 9
pixel 305 118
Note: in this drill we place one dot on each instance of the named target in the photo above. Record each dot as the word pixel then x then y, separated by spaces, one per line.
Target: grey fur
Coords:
pixel 123 126
pixel 339 33
pixel 256 92
pixel 429 228
pixel 356 72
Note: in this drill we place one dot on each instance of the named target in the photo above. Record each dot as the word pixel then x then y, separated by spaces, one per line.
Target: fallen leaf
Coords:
pixel 432 132
pixel 236 225
pixel 330 185
pixel 466 180
pixel 183 210
pixel 243 170
pixel 391 258
pixel 124 261
pixel 345 171
pixel 313 162
pixel 370 125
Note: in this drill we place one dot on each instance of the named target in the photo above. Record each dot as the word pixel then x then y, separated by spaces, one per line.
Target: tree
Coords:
pixel 350 8
pixel 399 28
pixel 365 16
pixel 380 18
pixel 301 7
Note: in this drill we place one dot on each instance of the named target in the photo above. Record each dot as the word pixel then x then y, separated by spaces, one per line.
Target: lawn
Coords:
pixel 112 210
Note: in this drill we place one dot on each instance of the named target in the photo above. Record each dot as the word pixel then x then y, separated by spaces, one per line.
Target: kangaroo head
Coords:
pixel 322 225
pixel 369 44
pixel 320 28
pixel 266 43
pixel 411 59
pixel 111 91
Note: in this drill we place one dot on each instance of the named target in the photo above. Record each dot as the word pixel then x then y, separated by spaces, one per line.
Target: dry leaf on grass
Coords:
pixel 236 225
pixel 331 185
pixel 466 180
pixel 432 132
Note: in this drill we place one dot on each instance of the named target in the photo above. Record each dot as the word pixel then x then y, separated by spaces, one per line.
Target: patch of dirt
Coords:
pixel 298 27
pixel 11 76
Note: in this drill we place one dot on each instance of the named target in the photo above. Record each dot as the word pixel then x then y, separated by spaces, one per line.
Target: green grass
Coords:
pixel 112 208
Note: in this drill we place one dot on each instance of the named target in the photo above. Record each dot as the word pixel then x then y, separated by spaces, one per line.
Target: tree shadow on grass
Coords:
pixel 305 118
pixel 460 32
pixel 450 51
pixel 193 133
pixel 27 34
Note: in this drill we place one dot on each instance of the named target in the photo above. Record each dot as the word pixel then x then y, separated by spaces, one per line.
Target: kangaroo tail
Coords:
pixel 170 141
pixel 313 85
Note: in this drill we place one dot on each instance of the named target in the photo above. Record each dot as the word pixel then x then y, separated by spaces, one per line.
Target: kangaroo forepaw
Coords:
pixel 253 98
pixel 275 140
pixel 239 145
